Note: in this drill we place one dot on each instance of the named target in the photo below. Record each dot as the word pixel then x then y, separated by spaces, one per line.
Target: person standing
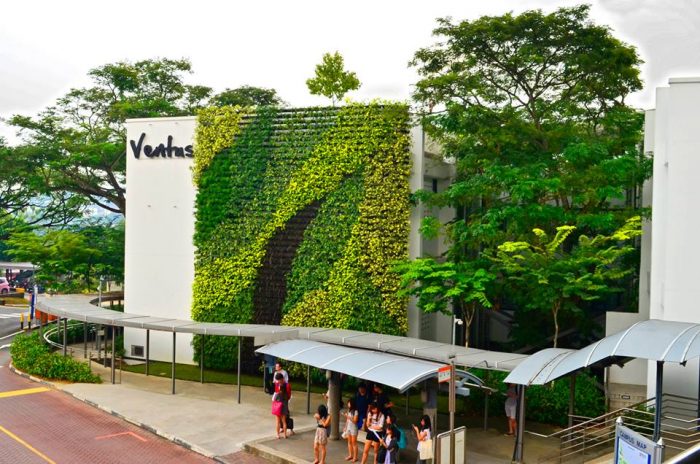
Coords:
pixel 280 404
pixel 323 420
pixel 389 446
pixel 362 402
pixel 423 434
pixel 374 424
pixel 511 406
pixel 279 370
pixel 351 419
pixel 381 398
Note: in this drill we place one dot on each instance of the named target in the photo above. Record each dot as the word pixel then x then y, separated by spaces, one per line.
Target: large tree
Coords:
pixel 76 148
pixel 533 110
pixel 331 79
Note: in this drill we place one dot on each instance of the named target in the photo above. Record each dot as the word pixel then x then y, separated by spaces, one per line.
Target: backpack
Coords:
pixel 401 441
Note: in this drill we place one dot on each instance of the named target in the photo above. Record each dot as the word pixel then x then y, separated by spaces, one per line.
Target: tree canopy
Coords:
pixel 532 109
pixel 247 96
pixel 331 79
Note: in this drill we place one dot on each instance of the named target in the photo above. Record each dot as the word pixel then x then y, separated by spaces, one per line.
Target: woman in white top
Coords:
pixel 351 418
pixel 374 424
pixel 422 434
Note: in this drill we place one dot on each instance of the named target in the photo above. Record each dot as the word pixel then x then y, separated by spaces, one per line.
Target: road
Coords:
pixel 9 322
pixel 42 425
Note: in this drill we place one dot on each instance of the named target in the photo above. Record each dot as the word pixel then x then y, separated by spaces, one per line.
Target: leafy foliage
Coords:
pixel 532 109
pixel 331 79
pixel 76 148
pixel 354 162
pixel 550 276
pixel 32 356
pixel 439 285
pixel 247 96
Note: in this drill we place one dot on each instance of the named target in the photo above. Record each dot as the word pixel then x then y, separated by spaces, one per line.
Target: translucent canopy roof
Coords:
pixel 655 340
pixel 396 371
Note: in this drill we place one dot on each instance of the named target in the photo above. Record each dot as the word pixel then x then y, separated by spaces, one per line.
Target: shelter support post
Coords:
pixel 201 360
pixel 698 411
pixel 659 399
pixel 65 338
pixel 308 389
pixel 238 376
pixel 173 365
pixel 148 348
pixel 114 358
pixel 84 339
pixel 429 398
pixel 452 402
pixel 520 417
pixel 334 403
pixel 41 332
pixel 572 396
pixel 487 394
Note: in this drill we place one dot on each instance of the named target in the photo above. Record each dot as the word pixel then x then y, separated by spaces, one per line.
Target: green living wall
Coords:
pixel 299 216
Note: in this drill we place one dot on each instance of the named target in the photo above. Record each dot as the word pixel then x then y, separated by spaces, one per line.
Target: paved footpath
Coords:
pixel 42 425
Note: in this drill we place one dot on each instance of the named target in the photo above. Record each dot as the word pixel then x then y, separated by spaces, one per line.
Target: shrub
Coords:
pixel 549 403
pixel 32 356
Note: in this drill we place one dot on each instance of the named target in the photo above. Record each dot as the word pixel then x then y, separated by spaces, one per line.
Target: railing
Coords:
pixel 589 438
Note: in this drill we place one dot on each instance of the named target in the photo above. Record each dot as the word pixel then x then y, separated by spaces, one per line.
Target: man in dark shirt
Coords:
pixel 362 403
pixel 379 397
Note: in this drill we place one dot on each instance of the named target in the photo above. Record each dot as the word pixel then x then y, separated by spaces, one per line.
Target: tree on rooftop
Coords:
pixel 331 79
pixel 247 96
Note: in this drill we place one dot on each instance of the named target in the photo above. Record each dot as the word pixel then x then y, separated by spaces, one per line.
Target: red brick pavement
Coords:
pixel 68 431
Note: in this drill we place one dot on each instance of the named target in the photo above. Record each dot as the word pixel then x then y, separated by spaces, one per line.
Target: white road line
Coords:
pixel 11 335
pixel 4 346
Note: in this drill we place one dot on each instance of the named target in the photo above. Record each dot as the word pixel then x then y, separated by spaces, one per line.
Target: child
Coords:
pixel 323 420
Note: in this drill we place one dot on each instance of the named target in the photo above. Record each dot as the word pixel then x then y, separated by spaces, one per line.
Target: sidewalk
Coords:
pixel 207 419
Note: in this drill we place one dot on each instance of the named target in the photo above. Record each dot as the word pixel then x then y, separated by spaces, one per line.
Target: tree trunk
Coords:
pixel 469 311
pixel 555 313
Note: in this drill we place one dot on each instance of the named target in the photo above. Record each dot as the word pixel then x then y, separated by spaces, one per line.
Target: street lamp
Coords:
pixel 455 322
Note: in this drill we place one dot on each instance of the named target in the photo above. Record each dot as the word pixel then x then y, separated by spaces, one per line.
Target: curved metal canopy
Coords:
pixel 655 340
pixel 395 371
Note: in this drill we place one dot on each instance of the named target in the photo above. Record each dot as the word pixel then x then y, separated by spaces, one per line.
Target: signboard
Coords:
pixel 634 448
pixel 444 374
pixel 442 451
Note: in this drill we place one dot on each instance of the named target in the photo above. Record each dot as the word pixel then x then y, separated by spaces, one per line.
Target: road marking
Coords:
pixel 26 445
pixel 118 434
pixel 9 316
pixel 12 335
pixel 26 391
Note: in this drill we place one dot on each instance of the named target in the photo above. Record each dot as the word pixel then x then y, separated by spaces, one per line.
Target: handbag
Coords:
pixel 426 449
pixel 277 408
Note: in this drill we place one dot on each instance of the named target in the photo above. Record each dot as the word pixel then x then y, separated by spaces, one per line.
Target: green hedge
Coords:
pixel 272 164
pixel 32 356
pixel 547 404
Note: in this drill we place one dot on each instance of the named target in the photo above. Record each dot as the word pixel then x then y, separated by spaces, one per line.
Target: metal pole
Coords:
pixel 520 417
pixel 84 339
pixel 65 340
pixel 487 394
pixel 452 411
pixel 41 336
pixel 572 397
pixel 238 377
pixel 698 412
pixel 173 367
pixel 148 348
pixel 308 389
pixel 114 362
pixel 201 360
pixel 659 399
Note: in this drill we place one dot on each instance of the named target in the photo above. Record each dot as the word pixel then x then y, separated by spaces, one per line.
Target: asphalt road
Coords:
pixel 9 323
pixel 41 425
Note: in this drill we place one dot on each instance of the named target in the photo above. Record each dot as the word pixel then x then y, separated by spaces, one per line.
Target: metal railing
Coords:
pixel 589 437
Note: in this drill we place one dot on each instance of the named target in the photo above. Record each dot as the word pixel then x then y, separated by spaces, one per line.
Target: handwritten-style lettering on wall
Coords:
pixel 162 150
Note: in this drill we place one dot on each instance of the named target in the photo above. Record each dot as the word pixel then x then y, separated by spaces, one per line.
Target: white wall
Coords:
pixel 159 259
pixel 675 250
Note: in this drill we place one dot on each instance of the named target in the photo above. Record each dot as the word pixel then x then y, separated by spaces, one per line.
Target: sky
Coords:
pixel 47 47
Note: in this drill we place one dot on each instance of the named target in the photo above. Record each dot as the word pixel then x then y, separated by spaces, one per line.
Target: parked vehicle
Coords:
pixel 4 285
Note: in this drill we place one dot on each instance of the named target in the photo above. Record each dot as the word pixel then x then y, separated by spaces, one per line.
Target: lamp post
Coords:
pixel 455 322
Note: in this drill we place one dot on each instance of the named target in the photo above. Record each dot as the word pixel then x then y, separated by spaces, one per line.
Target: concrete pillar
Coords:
pixel 429 395
pixel 334 403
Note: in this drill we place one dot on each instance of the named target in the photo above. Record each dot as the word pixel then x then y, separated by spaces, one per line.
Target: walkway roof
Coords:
pixel 80 308
pixel 655 340
pixel 396 371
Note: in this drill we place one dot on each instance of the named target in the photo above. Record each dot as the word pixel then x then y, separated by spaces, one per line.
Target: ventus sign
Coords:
pixel 166 149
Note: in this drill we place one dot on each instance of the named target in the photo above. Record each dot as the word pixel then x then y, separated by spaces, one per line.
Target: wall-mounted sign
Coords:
pixel 162 150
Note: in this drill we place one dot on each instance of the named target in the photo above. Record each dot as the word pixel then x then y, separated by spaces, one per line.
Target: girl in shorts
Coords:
pixel 323 420
pixel 374 426
pixel 351 418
